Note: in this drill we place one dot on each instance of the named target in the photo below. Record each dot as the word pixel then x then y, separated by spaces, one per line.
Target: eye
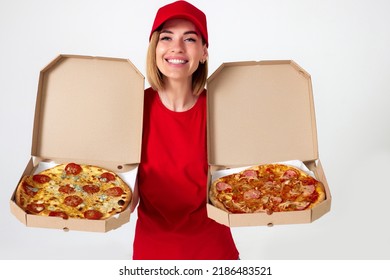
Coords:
pixel 165 38
pixel 190 39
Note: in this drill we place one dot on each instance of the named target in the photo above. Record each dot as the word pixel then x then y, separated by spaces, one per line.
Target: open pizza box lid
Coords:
pixel 89 111
pixel 258 113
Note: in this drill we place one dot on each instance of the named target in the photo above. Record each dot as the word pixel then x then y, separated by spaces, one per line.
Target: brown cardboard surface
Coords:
pixel 90 107
pixel 262 112
pixel 88 110
pixel 262 109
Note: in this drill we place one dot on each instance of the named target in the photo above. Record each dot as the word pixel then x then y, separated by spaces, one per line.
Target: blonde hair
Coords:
pixel 155 77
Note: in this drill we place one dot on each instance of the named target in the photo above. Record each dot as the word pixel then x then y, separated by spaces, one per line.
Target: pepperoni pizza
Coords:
pixel 266 188
pixel 73 191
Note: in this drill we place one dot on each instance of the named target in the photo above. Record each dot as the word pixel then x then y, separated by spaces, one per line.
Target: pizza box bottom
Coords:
pixel 69 224
pixel 276 218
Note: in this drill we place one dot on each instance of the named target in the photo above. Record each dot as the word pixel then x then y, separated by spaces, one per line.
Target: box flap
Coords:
pixel 89 109
pixel 260 112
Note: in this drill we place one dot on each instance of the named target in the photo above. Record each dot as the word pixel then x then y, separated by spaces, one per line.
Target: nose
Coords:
pixel 177 46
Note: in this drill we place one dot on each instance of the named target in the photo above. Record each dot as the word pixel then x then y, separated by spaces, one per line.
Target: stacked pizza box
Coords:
pixel 88 111
pixel 261 113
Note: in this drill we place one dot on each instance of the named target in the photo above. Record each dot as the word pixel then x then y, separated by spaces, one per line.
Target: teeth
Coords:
pixel 176 61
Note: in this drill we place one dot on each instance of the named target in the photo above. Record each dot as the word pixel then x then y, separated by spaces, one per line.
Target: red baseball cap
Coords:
pixel 185 10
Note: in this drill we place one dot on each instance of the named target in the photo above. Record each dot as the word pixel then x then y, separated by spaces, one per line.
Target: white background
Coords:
pixel 343 44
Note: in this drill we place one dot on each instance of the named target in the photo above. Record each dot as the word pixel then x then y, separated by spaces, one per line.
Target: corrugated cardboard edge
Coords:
pixel 38 102
pixel 325 206
pixel 262 62
pixel 15 209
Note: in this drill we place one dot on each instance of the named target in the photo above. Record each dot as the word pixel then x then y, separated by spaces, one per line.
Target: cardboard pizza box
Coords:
pixel 258 113
pixel 89 111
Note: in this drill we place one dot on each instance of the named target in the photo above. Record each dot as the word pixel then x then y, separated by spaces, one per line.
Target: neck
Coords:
pixel 178 97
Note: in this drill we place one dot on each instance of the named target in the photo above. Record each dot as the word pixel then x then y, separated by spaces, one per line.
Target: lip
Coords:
pixel 176 60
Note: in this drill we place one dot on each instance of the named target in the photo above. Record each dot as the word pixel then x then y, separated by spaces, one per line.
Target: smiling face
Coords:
pixel 179 50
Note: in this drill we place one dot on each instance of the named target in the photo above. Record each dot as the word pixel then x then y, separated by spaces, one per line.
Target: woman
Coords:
pixel 172 219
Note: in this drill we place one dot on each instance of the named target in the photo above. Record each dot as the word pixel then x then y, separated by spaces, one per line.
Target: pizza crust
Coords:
pixel 213 197
pixel 18 199
pixel 321 195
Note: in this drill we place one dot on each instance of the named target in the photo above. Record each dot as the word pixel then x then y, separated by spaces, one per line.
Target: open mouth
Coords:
pixel 176 61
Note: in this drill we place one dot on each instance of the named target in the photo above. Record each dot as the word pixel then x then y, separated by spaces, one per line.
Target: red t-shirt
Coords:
pixel 172 219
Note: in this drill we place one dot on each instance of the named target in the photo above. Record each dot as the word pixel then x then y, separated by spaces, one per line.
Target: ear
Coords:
pixel 205 54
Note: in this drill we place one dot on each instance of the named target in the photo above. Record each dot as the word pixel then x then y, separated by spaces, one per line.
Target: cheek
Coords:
pixel 158 54
pixel 160 50
pixel 199 53
pixel 159 58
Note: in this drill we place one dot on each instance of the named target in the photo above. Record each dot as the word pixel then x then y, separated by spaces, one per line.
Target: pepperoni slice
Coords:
pixel 29 190
pixel 250 174
pixel 72 169
pixel 91 189
pixel 93 215
pixel 221 186
pixel 73 200
pixel 35 207
pixel 41 179
pixel 301 205
pixel 107 177
pixel 68 189
pixel 114 191
pixel 252 193
pixel 289 174
pixel 59 214
pixel 308 190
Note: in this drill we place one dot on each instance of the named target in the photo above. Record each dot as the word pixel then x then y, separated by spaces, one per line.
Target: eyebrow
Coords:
pixel 185 33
